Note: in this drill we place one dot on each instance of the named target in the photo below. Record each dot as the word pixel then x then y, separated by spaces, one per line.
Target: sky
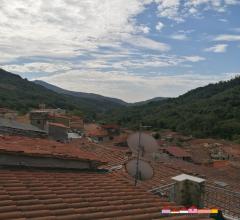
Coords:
pixel 129 49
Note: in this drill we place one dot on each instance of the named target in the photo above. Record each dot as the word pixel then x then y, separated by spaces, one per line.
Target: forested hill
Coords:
pixel 210 111
pixel 22 95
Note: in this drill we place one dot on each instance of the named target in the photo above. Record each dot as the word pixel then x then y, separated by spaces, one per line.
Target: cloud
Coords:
pixel 219 48
pixel 148 43
pixel 179 37
pixel 169 8
pixel 194 58
pixel 179 10
pixel 38 67
pixel 144 29
pixel 227 37
pixel 159 26
pixel 65 28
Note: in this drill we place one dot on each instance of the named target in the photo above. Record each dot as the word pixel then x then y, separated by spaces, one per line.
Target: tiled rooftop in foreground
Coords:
pixel 50 193
pixel 70 195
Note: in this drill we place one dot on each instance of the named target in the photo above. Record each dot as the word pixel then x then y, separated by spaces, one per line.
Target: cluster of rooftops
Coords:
pixel 42 179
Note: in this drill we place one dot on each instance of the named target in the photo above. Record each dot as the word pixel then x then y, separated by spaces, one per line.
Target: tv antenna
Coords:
pixel 141 144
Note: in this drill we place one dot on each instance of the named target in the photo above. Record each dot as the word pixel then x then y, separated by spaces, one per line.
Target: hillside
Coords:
pixel 156 99
pixel 21 94
pixel 90 96
pixel 210 111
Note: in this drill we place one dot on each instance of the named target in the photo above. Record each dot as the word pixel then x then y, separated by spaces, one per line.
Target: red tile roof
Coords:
pixel 98 133
pixel 177 152
pixel 165 169
pixel 55 195
pixel 57 125
pixel 44 147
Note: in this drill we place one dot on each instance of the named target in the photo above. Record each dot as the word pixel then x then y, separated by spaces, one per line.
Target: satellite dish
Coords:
pixel 143 143
pixel 140 169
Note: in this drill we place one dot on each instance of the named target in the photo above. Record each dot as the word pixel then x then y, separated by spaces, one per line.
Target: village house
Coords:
pixel 58 132
pixel 76 124
pixel 177 153
pixel 112 129
pixel 39 118
pixel 121 140
pixel 98 135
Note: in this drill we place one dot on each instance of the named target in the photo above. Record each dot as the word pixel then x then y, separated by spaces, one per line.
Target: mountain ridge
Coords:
pixel 93 96
pixel 20 94
pixel 209 111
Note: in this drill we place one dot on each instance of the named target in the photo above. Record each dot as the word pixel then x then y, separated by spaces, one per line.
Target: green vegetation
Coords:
pixel 210 111
pixel 22 95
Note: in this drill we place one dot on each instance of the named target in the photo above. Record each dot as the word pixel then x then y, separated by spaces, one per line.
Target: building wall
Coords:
pixel 58 133
pixel 41 162
pixel 39 119
pixel 20 132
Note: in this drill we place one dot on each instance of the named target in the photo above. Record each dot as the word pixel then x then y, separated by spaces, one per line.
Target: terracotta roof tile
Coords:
pixel 177 151
pixel 44 147
pixel 83 196
pixel 57 125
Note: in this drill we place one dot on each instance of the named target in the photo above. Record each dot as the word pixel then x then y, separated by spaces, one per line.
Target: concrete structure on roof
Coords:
pixel 39 118
pixel 189 190
pixel 52 110
pixel 12 127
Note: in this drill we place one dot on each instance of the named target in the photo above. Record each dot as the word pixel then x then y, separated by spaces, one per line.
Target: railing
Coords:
pixel 226 200
pixel 214 197
pixel 165 191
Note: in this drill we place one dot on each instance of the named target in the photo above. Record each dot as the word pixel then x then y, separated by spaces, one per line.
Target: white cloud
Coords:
pixel 144 29
pixel 63 28
pixel 37 67
pixel 169 9
pixel 227 37
pixel 148 43
pixel 179 37
pixel 219 48
pixel 180 9
pixel 159 26
pixel 194 58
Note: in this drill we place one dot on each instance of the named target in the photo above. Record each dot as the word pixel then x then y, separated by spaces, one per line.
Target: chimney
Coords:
pixel 189 190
